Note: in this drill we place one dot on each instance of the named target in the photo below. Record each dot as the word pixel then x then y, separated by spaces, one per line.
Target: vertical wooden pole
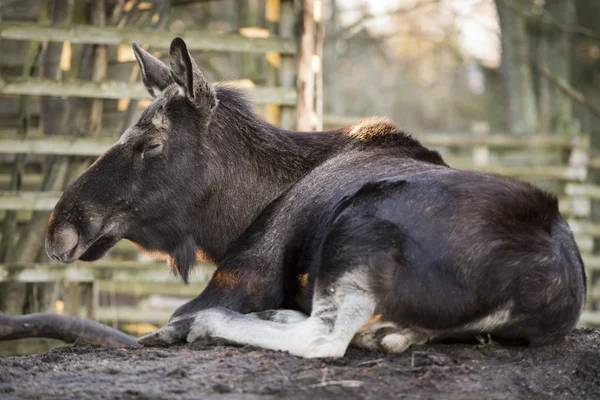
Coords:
pixel 305 117
pixel 287 68
pixel 92 295
pixel 99 69
pixel 578 161
pixel 248 16
pixel 318 63
pixel 272 13
pixel 481 153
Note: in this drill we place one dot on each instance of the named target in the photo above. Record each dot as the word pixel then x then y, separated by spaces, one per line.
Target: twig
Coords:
pixel 348 383
pixel 567 89
pixel 283 374
pixel 370 362
pixel 324 376
pixel 549 20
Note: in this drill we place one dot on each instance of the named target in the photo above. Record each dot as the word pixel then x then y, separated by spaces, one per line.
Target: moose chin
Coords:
pixel 354 236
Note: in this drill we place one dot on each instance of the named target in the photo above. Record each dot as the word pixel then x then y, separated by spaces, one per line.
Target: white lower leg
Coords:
pixel 281 316
pixel 313 337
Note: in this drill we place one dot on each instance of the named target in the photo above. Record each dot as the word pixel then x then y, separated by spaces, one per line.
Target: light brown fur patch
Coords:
pixel 374 320
pixel 203 257
pixel 154 254
pixel 52 216
pixel 368 128
pixel 226 279
pixel 303 283
pixel 164 256
pixel 257 287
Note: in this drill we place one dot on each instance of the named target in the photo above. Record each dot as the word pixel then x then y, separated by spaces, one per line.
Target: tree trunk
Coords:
pixel 516 69
pixel 557 60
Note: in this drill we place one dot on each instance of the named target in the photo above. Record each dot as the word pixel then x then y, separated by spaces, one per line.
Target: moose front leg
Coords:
pixel 338 313
pixel 240 290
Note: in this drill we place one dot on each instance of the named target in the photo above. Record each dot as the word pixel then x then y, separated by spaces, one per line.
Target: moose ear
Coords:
pixel 190 79
pixel 155 74
pixel 182 67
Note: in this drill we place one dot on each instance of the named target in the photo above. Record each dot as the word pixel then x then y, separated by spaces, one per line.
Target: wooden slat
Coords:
pixel 501 140
pixel 585 243
pixel 594 294
pixel 460 139
pixel 28 200
pixel 88 272
pixel 174 289
pixel 117 89
pixel 594 163
pixel 563 173
pixel 8 138
pixel 56 145
pixel 96 147
pixel 574 207
pixel 590 318
pixel 580 227
pixel 27 180
pixel 583 190
pixel 592 263
pixel 195 40
pixel 133 315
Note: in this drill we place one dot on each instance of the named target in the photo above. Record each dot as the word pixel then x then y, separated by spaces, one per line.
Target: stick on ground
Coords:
pixel 64 328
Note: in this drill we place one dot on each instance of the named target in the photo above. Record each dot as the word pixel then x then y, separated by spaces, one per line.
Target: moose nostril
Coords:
pixel 61 242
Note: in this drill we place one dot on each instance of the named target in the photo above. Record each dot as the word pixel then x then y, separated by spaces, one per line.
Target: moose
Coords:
pixel 353 236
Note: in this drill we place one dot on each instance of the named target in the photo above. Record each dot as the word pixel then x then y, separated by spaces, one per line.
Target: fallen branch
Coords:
pixel 64 328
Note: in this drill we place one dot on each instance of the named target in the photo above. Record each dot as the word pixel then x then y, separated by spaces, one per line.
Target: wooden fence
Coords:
pixel 559 163
pixel 473 151
pixel 290 70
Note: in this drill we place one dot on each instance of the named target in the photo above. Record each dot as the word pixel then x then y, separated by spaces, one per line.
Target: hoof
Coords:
pixel 174 332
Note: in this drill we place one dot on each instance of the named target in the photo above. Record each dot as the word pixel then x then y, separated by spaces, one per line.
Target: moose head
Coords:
pixel 171 175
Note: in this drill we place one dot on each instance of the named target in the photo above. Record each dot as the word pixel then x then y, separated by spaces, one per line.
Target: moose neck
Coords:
pixel 255 164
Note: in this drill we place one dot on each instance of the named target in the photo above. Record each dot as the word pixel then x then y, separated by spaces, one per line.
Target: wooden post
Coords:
pixel 481 153
pixel 92 295
pixel 318 63
pixel 287 68
pixel 72 292
pixel 99 68
pixel 272 14
pixel 305 115
pixel 578 161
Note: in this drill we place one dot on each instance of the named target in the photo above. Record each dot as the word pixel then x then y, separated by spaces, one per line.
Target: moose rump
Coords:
pixel 467 253
pixel 356 235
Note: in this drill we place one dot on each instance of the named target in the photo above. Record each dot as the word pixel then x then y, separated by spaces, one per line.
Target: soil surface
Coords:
pixel 568 370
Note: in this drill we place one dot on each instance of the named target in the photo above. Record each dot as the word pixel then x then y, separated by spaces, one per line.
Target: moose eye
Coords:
pixel 153 148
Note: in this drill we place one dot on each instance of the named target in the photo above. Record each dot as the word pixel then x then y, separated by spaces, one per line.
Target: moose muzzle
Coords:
pixel 61 242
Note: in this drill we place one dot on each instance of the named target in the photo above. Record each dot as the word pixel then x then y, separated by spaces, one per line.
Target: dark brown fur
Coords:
pixel 201 172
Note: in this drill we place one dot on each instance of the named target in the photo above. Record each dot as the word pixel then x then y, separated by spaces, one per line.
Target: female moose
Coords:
pixel 358 234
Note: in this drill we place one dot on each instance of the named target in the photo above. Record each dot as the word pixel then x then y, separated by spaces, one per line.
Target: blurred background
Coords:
pixel 508 86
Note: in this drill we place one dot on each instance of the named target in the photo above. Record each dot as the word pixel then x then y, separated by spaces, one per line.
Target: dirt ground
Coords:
pixel 567 370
